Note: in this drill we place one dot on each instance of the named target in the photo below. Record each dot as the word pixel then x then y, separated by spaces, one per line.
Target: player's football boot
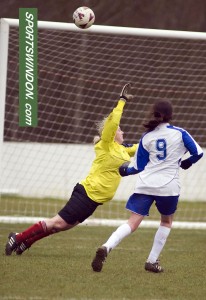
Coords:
pixel 11 245
pixel 100 258
pixel 153 267
pixel 21 248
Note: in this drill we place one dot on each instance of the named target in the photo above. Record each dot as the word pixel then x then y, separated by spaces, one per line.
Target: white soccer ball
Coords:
pixel 83 17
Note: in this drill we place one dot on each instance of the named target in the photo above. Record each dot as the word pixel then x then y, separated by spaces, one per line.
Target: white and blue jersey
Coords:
pixel 158 159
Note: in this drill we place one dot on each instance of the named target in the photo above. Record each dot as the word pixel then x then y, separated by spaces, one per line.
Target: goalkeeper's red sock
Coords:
pixel 33 231
pixel 37 237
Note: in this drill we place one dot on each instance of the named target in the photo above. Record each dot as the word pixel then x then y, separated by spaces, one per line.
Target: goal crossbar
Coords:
pixel 116 30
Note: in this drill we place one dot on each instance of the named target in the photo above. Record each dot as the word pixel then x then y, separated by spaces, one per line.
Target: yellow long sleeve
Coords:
pixel 103 178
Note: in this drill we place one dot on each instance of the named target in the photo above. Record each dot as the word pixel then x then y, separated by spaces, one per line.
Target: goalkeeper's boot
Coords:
pixel 153 267
pixel 21 248
pixel 12 244
pixel 100 258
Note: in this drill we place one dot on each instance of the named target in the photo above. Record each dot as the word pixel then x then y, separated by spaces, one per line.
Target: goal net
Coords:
pixel 80 76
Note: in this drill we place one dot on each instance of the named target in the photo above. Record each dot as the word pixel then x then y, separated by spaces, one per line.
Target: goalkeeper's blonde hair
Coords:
pixel 100 127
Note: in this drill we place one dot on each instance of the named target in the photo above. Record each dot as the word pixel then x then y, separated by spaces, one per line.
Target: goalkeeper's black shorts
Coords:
pixel 79 207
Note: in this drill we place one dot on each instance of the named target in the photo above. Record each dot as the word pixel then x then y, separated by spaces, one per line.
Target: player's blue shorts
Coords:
pixel 140 204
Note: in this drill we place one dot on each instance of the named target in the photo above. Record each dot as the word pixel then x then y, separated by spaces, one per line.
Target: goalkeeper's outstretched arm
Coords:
pixel 113 120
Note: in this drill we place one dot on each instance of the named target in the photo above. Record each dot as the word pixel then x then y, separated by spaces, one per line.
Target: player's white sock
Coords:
pixel 159 242
pixel 116 237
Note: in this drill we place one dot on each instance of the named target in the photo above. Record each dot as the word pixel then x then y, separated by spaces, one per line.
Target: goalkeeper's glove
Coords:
pixel 125 170
pixel 125 95
pixel 186 164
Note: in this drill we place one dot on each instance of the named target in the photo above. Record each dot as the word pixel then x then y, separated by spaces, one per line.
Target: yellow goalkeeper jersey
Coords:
pixel 104 178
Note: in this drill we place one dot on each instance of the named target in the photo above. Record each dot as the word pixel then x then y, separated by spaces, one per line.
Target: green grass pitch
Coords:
pixel 58 267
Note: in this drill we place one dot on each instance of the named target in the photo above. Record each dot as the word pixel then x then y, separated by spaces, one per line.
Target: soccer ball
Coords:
pixel 83 17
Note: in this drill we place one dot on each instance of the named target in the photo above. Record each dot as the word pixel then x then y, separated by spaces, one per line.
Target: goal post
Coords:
pixel 4 38
pixel 80 75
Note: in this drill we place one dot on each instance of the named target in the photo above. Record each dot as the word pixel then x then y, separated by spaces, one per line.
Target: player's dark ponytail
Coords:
pixel 161 112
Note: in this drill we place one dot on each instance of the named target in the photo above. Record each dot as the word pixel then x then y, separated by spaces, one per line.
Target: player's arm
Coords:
pixel 126 170
pixel 113 120
pixel 194 149
pixel 140 161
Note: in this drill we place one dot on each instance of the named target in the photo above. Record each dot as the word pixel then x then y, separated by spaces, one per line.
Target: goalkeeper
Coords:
pixel 97 188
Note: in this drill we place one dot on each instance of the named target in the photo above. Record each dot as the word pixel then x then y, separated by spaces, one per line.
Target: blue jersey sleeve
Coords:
pixel 141 160
pixel 142 157
pixel 193 148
